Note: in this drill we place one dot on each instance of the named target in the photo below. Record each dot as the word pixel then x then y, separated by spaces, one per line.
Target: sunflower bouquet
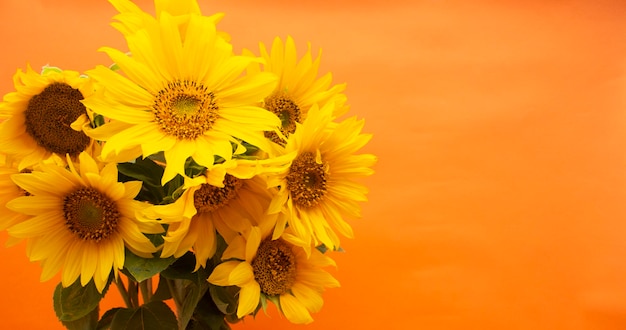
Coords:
pixel 202 184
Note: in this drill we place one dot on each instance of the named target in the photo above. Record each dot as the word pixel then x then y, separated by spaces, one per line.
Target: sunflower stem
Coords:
pixel 146 290
pixel 123 292
pixel 133 292
pixel 176 293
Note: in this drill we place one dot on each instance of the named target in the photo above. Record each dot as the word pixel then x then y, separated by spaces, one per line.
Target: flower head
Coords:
pixel 183 95
pixel 299 86
pixel 80 220
pixel 44 116
pixel 227 200
pixel 276 269
pixel 319 188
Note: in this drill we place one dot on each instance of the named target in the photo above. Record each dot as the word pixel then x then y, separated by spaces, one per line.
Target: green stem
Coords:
pixel 133 292
pixel 146 290
pixel 123 292
pixel 176 290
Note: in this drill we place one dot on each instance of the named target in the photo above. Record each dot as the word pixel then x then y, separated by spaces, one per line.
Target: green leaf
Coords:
pixel 196 284
pixel 225 298
pixel 76 301
pixel 193 169
pixel 162 291
pixel 155 315
pixel 182 268
pixel 142 269
pixel 208 316
pixel 87 322
pixel 144 170
pixel 107 318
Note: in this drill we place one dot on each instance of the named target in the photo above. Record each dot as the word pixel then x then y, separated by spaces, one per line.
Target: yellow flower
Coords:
pixel 8 191
pixel 187 99
pixel 40 114
pixel 298 87
pixel 228 200
pixel 278 270
pixel 132 19
pixel 319 188
pixel 80 220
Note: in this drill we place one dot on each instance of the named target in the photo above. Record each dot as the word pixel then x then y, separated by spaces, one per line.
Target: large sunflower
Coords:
pixel 80 220
pixel 319 188
pixel 184 95
pixel 228 200
pixel 280 270
pixel 40 114
pixel 131 18
pixel 299 86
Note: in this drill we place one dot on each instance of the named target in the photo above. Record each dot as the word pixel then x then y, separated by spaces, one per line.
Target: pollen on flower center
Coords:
pixel 185 109
pixel 210 198
pixel 49 115
pixel 287 111
pixel 274 267
pixel 90 214
pixel 306 180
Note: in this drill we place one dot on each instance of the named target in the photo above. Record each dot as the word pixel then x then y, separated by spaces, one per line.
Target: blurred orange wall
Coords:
pixel 500 126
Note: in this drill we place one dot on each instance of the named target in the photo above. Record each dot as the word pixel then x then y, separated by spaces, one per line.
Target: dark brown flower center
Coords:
pixel 274 267
pixel 90 214
pixel 287 111
pixel 49 115
pixel 306 180
pixel 210 198
pixel 185 109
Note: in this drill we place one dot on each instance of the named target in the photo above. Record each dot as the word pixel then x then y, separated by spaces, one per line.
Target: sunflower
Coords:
pixel 279 270
pixel 80 220
pixel 319 187
pixel 131 18
pixel 183 95
pixel 8 191
pixel 227 200
pixel 298 86
pixel 40 113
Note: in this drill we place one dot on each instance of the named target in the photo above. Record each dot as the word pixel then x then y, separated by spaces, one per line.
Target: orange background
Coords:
pixel 499 197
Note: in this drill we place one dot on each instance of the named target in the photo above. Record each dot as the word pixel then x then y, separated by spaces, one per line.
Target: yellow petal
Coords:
pixel 248 298
pixel 294 310
pixel 221 273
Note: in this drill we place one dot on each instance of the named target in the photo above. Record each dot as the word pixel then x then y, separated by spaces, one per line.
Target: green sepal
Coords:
pixel 322 248
pixel 114 67
pixel 76 301
pixel 98 120
pixel 155 315
pixel 47 69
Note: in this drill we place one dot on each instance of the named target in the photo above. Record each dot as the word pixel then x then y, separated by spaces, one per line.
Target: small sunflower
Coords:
pixel 227 200
pixel 319 187
pixel 41 113
pixel 80 220
pixel 186 99
pixel 298 86
pixel 280 270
